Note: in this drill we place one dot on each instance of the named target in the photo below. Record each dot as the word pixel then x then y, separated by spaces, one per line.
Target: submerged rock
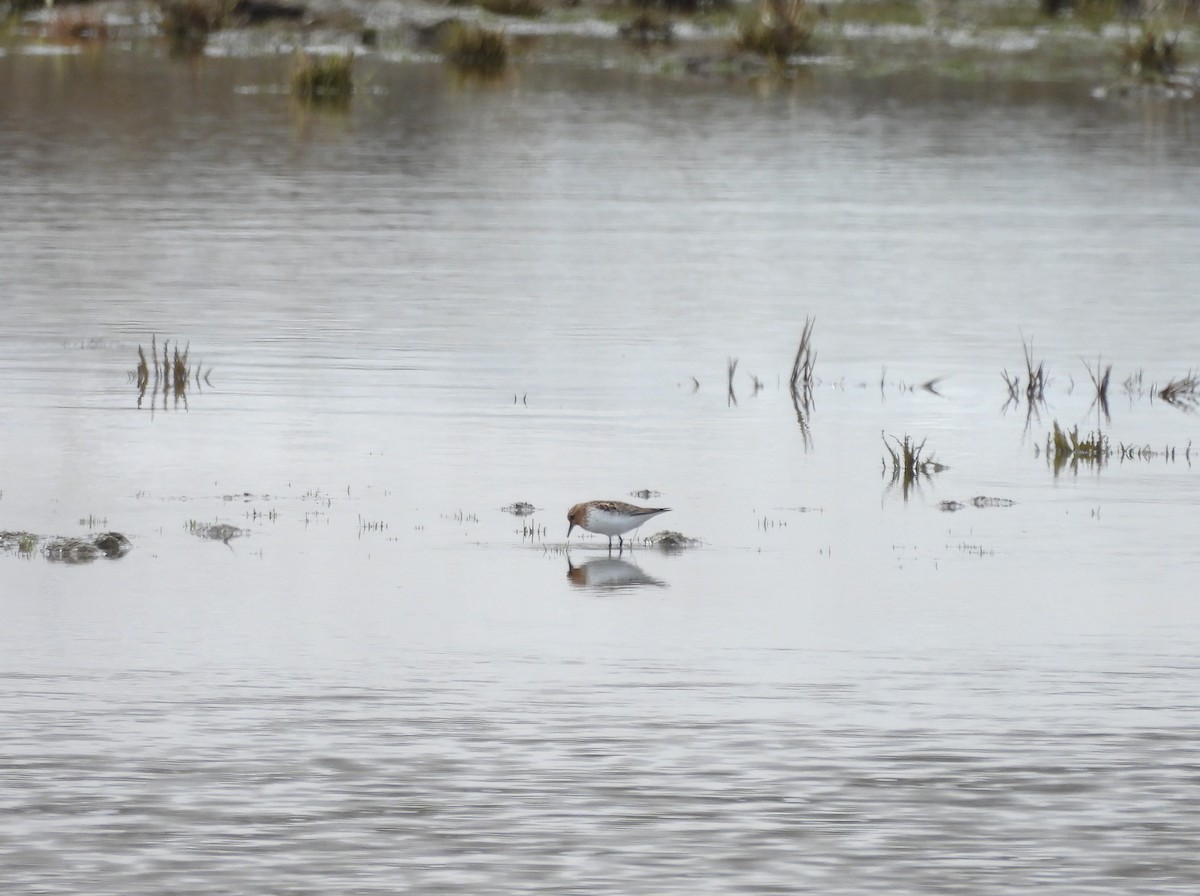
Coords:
pixel 645 494
pixel 215 531
pixel 113 544
pixel 69 550
pixel 519 508
pixel 980 501
pixel 671 541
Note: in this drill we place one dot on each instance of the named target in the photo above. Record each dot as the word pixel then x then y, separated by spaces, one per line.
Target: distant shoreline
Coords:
pixel 980 41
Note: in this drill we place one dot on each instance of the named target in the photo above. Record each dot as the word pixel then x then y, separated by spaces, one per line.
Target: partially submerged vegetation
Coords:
pixel 1068 448
pixel 172 374
pixel 323 80
pixel 909 464
pixel 474 49
pixel 1036 379
pixel 802 380
pixel 777 29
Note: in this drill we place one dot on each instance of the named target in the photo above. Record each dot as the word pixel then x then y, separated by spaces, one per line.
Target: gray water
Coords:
pixel 458 296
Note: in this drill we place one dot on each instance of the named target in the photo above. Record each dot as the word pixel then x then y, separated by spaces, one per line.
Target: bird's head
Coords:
pixel 575 517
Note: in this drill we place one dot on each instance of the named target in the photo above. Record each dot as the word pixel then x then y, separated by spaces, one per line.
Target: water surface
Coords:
pixel 460 296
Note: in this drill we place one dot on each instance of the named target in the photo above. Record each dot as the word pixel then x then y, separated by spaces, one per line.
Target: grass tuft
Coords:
pixel 323 79
pixel 1067 447
pixel 909 463
pixel 171 373
pixel 806 359
pixel 777 29
pixel 1035 377
pixel 475 49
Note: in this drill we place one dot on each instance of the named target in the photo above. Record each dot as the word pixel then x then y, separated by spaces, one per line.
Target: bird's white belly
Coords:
pixel 604 523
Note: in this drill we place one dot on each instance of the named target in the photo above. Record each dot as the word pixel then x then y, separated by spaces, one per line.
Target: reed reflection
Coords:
pixel 172 377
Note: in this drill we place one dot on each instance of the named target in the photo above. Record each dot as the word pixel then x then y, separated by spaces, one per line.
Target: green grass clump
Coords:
pixel 1065 447
pixel 475 49
pixel 777 29
pixel 323 79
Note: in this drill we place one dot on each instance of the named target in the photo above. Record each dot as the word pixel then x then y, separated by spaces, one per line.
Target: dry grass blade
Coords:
pixel 143 371
pixel 1014 387
pixel 806 359
pixel 1035 377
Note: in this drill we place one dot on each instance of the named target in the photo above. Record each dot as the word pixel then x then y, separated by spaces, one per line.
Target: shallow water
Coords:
pixel 456 297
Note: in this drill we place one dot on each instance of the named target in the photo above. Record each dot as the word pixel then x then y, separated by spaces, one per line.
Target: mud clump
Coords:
pixel 667 540
pixel 112 545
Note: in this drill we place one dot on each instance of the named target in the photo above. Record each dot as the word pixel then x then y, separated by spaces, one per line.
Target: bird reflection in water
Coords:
pixel 610 574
